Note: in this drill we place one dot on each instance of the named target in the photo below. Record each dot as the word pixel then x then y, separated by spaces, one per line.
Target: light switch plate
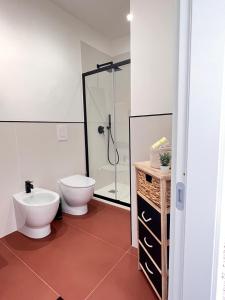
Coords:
pixel 62 132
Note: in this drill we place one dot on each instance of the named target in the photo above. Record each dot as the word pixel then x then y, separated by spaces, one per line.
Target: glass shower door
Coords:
pixel 107 118
pixel 100 122
pixel 122 97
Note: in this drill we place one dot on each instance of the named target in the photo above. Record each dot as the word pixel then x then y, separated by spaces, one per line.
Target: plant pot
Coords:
pixel 165 169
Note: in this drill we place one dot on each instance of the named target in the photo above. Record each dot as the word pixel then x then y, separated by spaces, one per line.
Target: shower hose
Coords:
pixel 117 153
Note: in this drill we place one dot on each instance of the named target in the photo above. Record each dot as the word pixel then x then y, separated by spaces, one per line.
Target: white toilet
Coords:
pixel 77 191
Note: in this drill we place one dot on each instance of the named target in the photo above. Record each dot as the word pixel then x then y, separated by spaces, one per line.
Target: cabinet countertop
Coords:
pixel 146 168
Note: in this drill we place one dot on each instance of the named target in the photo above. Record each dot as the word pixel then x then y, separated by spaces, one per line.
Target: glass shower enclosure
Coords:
pixel 106 95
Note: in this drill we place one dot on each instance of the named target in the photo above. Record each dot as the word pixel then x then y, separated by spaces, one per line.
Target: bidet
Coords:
pixel 35 211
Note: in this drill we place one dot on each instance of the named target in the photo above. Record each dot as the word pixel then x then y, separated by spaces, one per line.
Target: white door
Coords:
pixel 194 232
pixel 218 283
pixel 180 132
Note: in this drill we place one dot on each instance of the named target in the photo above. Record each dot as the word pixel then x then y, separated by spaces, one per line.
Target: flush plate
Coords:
pixel 62 132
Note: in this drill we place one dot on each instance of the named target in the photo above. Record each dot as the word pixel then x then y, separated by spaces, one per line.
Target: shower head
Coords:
pixel 110 63
pixel 115 69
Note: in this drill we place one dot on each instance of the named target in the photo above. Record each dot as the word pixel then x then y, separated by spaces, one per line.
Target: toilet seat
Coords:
pixel 78 181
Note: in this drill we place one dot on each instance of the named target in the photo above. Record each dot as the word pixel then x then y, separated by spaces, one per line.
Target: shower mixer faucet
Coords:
pixel 101 129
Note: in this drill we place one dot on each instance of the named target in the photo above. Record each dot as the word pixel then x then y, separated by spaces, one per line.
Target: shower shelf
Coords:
pixel 119 168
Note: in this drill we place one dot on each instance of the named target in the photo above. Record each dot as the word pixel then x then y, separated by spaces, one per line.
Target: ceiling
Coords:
pixel 105 16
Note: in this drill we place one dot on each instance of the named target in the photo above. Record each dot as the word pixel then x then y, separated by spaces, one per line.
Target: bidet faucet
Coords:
pixel 28 186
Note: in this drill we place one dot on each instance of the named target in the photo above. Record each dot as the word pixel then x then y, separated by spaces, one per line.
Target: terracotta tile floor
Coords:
pixel 87 257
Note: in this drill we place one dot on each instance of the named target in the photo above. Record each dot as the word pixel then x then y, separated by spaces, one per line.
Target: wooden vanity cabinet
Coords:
pixel 153 200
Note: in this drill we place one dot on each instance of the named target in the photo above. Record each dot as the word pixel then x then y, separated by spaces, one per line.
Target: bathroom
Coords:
pixel 87 89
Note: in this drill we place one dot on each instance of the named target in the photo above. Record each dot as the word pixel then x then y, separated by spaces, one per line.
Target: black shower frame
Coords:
pixel 84 75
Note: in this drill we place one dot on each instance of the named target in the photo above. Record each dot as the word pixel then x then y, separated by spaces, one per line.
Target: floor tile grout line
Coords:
pixel 132 254
pixel 106 275
pixel 27 266
pixel 105 206
pixel 95 236
pixel 112 207
pixel 88 233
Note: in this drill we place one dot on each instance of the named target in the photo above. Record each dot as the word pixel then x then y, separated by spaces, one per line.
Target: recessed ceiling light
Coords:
pixel 129 17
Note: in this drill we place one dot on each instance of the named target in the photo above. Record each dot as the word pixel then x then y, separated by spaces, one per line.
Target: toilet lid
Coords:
pixel 78 181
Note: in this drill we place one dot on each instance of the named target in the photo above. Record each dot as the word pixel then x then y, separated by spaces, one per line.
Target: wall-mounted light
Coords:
pixel 129 17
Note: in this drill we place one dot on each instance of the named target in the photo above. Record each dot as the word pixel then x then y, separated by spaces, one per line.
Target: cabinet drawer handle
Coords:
pixel 146 243
pixel 146 266
pixel 143 217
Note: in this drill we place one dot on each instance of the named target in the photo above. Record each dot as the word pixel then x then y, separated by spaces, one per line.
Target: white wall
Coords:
pixel 120 45
pixel 144 132
pixel 153 55
pixel 91 56
pixel 32 151
pixel 40 74
pixel 40 80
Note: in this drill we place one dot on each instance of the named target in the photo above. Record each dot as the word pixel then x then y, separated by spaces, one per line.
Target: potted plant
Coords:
pixel 165 162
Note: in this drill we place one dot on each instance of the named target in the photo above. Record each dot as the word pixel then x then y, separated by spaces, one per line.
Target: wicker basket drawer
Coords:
pixel 149 186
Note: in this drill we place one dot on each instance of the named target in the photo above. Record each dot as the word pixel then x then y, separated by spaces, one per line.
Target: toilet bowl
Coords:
pixel 35 211
pixel 77 191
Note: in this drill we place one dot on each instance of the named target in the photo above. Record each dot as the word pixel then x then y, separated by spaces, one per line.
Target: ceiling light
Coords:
pixel 129 17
